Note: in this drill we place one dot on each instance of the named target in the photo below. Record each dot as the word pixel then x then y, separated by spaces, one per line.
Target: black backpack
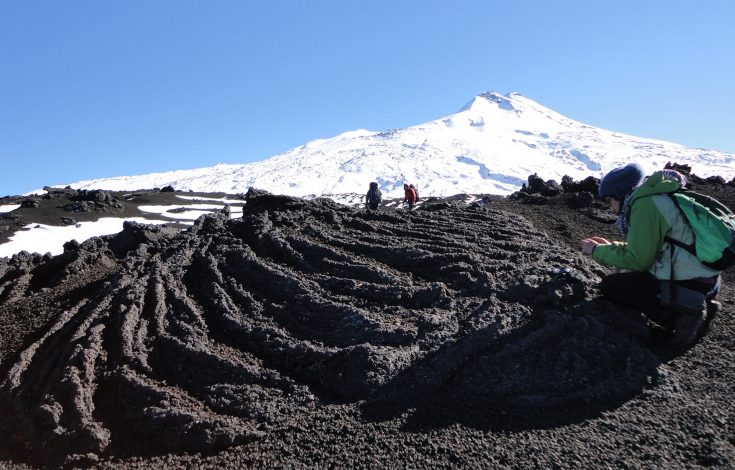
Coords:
pixel 374 194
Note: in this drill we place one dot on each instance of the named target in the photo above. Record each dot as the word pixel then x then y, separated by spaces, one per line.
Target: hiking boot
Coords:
pixel 659 336
pixel 713 307
pixel 687 329
pixel 629 321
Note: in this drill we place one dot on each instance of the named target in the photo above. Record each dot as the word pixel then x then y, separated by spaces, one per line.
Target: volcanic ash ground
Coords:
pixel 209 338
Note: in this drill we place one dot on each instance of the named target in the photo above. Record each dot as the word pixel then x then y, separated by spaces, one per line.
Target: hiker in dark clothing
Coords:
pixel 373 197
pixel 666 282
pixel 409 196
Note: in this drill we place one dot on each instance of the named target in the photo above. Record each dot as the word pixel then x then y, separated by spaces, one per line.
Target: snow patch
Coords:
pixel 485 172
pixel 589 163
pixel 183 212
pixel 4 209
pixel 39 238
pixel 213 199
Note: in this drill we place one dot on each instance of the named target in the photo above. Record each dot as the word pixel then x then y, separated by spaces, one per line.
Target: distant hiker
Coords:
pixel 415 191
pixel 373 197
pixel 409 196
pixel 663 280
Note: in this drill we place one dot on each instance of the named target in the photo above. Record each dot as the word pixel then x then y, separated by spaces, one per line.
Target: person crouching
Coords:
pixel 667 283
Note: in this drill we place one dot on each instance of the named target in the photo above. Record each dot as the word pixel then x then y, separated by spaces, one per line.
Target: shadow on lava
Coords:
pixel 558 369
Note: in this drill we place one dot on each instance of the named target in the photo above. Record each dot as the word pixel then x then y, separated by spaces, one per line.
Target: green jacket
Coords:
pixel 652 216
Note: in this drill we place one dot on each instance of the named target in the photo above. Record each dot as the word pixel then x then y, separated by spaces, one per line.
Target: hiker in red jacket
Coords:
pixel 409 196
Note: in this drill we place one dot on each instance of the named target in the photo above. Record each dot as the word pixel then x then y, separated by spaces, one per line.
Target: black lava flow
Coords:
pixel 197 339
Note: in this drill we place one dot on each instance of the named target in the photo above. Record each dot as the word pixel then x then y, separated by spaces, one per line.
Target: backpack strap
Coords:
pixel 671 271
pixel 691 248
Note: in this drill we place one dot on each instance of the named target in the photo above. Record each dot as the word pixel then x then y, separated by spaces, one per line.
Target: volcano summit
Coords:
pixel 489 147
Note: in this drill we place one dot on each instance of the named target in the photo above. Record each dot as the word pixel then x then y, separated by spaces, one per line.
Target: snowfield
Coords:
pixel 490 146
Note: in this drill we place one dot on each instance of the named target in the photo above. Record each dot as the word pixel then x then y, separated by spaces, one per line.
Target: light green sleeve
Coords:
pixel 646 233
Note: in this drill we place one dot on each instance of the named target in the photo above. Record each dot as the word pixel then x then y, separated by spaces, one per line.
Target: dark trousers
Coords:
pixel 639 291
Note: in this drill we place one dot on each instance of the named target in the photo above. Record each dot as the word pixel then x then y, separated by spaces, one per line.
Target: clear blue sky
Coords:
pixel 92 88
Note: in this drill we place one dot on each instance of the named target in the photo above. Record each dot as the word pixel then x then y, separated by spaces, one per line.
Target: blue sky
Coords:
pixel 92 89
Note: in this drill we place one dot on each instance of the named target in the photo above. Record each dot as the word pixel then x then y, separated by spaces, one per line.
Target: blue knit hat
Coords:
pixel 621 181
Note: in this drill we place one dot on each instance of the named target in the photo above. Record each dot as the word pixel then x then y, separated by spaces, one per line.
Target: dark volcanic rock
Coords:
pixel 526 198
pixel 201 341
pixel 719 180
pixel 589 184
pixel 93 200
pixel 254 192
pixel 52 193
pixel 581 199
pixel 551 188
pixel 133 235
pixel 77 206
pixel 536 184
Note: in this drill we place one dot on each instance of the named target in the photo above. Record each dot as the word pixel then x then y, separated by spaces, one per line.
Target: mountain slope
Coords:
pixel 490 146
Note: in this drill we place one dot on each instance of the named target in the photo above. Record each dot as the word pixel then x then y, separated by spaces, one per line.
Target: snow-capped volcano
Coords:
pixel 490 146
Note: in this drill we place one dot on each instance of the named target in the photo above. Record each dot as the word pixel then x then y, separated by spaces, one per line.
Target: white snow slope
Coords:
pixel 489 146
